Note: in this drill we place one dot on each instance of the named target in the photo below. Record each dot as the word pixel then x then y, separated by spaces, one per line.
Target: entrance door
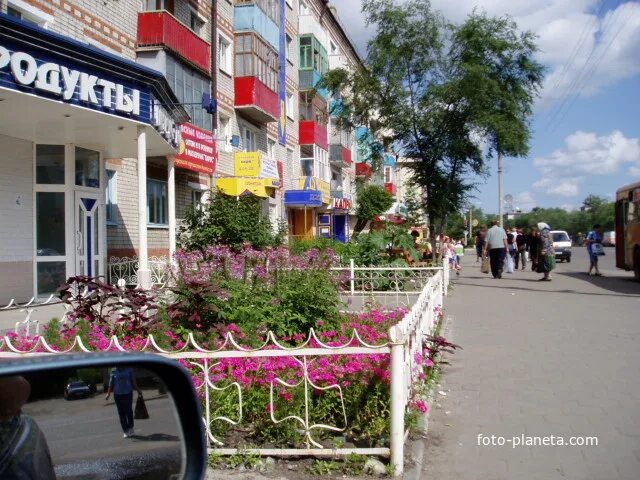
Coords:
pixel 340 228
pixel 90 257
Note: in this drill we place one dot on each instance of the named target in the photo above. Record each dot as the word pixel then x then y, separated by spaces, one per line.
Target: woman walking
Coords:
pixel 122 384
pixel 546 253
pixel 594 248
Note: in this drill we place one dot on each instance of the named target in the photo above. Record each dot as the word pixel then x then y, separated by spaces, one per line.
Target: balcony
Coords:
pixel 251 15
pixel 391 188
pixel 363 170
pixel 340 155
pixel 308 79
pixel 255 100
pixel 162 30
pixel 313 133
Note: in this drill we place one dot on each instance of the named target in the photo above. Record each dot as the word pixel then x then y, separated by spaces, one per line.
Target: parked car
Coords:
pixel 609 239
pixel 562 245
pixel 79 389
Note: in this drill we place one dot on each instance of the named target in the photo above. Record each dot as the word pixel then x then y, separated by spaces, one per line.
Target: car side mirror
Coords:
pixel 99 416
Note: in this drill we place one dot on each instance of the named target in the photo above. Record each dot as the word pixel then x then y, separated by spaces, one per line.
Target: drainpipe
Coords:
pixel 214 58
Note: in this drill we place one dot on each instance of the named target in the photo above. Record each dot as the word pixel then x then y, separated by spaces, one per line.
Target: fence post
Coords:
pixel 397 401
pixel 352 268
pixel 445 276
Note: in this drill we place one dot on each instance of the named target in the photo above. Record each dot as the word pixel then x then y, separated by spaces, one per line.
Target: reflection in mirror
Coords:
pixel 91 423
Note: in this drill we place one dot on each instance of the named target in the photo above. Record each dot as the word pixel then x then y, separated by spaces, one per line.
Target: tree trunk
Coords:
pixel 360 225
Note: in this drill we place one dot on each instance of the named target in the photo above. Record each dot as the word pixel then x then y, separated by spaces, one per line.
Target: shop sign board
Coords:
pixel 342 204
pixel 198 150
pixel 314 183
pixel 255 165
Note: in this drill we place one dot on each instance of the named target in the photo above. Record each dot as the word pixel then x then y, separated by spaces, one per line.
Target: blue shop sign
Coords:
pixel 303 198
pixel 45 64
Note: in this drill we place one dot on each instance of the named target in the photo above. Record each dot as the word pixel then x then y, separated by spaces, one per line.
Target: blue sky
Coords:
pixel 587 122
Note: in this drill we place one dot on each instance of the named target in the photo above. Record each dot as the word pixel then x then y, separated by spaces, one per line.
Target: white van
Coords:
pixel 561 244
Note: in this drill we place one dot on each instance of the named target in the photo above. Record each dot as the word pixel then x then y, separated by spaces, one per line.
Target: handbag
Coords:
pixel 485 265
pixel 510 264
pixel 140 412
pixel 597 249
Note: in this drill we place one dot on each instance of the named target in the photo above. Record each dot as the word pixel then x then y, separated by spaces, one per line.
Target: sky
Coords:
pixel 586 123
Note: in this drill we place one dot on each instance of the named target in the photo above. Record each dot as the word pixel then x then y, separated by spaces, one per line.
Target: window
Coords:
pixel 196 199
pixel 313 56
pixel 224 129
pixel 151 5
pixel 290 160
pixel 288 49
pixel 333 48
pixel 290 3
pixel 249 143
pixel 255 58
pixel 50 164
pixel 224 55
pixel 28 13
pixel 196 22
pixel 87 168
pixel 290 105
pixel 388 174
pixel 156 202
pixel 189 86
pixel 271 149
pixel 111 201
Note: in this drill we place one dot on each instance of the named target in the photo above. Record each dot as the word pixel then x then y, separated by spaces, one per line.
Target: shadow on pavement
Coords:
pixel 628 287
pixel 156 437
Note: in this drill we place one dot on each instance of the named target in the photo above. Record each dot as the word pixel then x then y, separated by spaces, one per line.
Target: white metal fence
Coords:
pixel 405 346
pixel 126 268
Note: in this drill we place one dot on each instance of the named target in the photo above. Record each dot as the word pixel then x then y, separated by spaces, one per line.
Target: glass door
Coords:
pixel 90 257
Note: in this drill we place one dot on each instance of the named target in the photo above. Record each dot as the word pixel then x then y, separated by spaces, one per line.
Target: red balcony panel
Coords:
pixel 346 156
pixel 391 188
pixel 256 100
pixel 312 133
pixel 363 170
pixel 161 29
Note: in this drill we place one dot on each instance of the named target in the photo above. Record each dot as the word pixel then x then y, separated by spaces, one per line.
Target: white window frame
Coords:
pixel 388 174
pixel 202 20
pixel 111 195
pixel 288 46
pixel 225 64
pixel 271 148
pixel 290 105
pixel 166 213
pixel 253 136
pixel 31 13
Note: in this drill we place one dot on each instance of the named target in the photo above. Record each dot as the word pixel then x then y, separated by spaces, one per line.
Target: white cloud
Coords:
pixel 586 154
pixel 583 52
pixel 524 200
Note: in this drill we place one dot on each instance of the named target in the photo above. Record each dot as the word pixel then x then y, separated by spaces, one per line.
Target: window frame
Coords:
pixel 165 186
pixel 225 66
pixel 30 14
pixel 290 105
pixel 111 196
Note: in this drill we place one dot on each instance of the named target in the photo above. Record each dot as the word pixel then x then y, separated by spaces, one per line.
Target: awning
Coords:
pixel 238 186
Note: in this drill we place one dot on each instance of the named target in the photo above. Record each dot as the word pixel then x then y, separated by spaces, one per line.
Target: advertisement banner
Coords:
pixel 313 183
pixel 282 93
pixel 198 150
pixel 255 165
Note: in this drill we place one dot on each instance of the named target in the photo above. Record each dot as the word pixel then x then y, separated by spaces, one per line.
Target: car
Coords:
pixel 78 389
pixel 562 245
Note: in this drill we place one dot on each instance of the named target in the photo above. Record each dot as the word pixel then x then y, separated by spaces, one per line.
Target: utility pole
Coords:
pixel 500 199
pixel 470 222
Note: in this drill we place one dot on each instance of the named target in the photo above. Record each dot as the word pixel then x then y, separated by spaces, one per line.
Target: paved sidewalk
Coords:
pixel 540 358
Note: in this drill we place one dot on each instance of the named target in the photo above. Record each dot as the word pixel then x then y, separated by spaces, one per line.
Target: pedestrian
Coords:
pixel 511 244
pixel 496 248
pixel 121 384
pixel 459 251
pixel 546 252
pixel 532 243
pixel 521 249
pixel 594 248
pixel 480 239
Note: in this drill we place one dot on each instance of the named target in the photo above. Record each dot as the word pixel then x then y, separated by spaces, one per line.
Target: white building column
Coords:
pixel 171 193
pixel 144 273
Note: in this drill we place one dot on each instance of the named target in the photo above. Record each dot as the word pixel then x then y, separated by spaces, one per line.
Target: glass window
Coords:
pixel 387 174
pixel 196 199
pixel 50 164
pixel 271 148
pixel 111 201
pixel 51 275
pixel 224 50
pixel 87 168
pixel 290 106
pixel 249 140
pixel 189 86
pixel 156 202
pixel 50 235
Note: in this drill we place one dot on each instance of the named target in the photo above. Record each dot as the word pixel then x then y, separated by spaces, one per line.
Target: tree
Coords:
pixel 226 220
pixel 439 104
pixel 413 203
pixel 373 200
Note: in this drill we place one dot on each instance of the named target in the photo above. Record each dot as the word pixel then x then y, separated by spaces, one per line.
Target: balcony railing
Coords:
pixel 363 170
pixel 339 154
pixel 308 79
pixel 256 100
pixel 313 133
pixel 162 30
pixel 260 16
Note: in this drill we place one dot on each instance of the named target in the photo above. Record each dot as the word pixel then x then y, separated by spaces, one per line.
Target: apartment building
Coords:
pixel 109 132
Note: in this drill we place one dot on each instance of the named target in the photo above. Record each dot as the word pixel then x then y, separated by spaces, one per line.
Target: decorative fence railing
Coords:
pixel 405 346
pixel 374 280
pixel 126 268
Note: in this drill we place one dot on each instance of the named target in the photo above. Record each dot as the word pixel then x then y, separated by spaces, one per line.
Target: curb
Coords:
pixel 418 447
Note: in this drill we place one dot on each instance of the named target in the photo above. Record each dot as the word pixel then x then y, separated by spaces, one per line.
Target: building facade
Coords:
pixel 140 108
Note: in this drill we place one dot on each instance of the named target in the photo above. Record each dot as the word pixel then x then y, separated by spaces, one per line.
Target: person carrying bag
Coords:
pixel 141 412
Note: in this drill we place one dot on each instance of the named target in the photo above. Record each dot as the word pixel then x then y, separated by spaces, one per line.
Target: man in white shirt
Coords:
pixel 496 247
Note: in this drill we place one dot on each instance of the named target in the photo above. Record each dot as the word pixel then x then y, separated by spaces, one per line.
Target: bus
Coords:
pixel 628 228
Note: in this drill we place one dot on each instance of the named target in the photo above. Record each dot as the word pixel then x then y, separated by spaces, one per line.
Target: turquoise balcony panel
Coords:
pixel 308 79
pixel 252 18
pixel 389 161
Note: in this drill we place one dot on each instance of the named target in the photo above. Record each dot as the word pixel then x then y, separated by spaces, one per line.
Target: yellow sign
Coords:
pixel 235 187
pixel 314 183
pixel 255 165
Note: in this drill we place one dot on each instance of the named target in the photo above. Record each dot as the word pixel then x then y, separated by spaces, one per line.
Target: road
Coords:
pixel 540 358
pixel 85 438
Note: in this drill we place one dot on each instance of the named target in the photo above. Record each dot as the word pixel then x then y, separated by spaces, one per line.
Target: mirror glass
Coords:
pixel 91 423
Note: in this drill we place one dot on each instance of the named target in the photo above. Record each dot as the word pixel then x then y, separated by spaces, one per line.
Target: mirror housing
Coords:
pixel 176 379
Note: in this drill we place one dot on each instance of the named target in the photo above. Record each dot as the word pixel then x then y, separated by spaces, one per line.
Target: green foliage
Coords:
pixel 373 200
pixel 415 208
pixel 439 89
pixel 226 220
